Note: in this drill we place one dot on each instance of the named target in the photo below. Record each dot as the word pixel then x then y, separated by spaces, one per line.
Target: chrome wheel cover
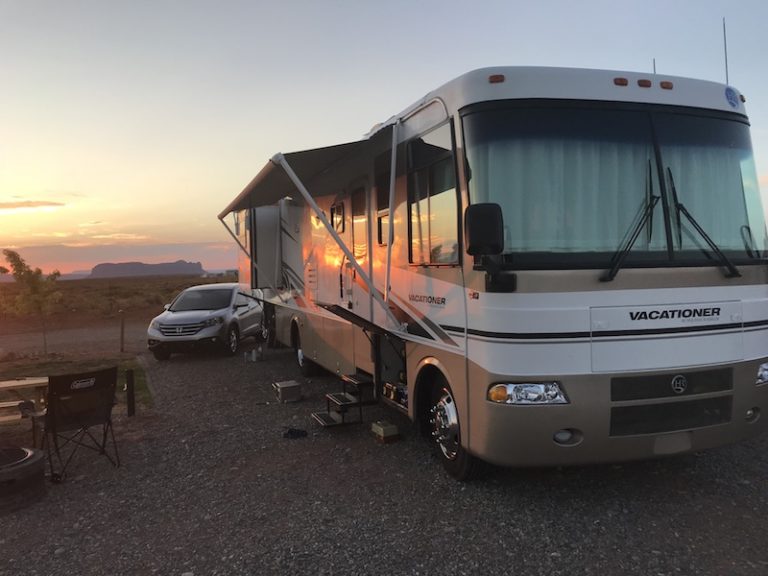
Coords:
pixel 445 425
pixel 233 341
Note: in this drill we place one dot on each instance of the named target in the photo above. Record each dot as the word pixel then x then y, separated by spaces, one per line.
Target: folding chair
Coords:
pixel 78 414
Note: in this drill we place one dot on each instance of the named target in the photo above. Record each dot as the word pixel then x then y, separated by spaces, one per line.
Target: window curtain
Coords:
pixel 567 195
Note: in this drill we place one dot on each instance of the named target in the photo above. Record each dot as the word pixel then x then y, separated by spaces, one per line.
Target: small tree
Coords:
pixel 37 295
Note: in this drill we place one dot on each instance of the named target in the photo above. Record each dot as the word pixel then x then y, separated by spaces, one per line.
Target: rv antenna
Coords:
pixel 725 50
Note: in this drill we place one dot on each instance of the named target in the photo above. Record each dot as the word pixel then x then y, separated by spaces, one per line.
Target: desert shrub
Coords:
pixel 36 294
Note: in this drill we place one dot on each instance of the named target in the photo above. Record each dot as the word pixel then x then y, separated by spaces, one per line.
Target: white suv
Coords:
pixel 218 314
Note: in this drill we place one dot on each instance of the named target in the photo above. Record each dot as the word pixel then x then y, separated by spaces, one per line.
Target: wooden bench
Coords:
pixel 15 391
pixel 9 411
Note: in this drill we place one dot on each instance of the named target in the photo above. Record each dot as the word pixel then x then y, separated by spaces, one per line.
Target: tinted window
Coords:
pixel 432 201
pixel 573 181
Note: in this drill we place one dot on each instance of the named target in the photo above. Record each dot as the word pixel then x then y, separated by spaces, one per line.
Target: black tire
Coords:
pixel 161 354
pixel 232 343
pixel 306 366
pixel 445 433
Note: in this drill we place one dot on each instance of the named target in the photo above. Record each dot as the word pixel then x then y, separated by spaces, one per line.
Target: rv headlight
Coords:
pixel 528 393
pixel 762 374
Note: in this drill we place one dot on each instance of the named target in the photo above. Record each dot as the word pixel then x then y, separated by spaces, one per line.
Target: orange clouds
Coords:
pixel 29 205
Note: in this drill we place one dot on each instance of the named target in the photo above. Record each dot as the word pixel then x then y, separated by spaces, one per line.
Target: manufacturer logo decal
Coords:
pixel 427 299
pixel 674 314
pixel 679 384
pixel 732 97
pixel 179 330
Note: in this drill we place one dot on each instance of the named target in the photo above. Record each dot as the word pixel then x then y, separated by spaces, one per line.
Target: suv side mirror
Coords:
pixel 484 229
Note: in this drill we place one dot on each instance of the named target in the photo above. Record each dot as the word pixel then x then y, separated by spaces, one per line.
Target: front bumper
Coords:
pixel 604 429
pixel 210 336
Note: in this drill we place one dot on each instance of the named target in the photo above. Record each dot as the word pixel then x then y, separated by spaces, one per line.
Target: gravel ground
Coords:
pixel 209 485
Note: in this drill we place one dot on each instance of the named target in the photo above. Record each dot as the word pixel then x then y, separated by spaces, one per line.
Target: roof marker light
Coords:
pixel 644 83
pixel 621 81
pixel 666 85
pixel 496 78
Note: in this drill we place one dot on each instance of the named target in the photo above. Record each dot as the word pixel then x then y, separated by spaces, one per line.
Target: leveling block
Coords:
pixel 385 432
pixel 288 391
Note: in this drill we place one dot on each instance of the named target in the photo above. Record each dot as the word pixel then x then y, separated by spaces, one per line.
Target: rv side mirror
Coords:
pixel 484 229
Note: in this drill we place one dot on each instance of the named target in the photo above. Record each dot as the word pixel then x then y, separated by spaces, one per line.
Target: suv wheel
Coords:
pixel 233 341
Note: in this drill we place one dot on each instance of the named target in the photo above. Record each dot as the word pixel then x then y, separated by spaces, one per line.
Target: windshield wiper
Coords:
pixel 732 271
pixel 749 241
pixel 646 218
pixel 621 254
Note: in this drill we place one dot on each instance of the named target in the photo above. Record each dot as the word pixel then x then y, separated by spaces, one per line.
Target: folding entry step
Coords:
pixel 357 391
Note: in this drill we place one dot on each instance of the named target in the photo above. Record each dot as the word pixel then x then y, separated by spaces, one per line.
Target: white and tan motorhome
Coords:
pixel 543 266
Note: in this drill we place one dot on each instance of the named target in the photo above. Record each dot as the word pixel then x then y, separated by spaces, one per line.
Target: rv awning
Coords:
pixel 315 168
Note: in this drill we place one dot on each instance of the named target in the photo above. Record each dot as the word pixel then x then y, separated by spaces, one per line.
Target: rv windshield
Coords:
pixel 573 179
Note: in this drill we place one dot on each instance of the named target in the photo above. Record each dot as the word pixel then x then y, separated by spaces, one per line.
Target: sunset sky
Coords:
pixel 127 126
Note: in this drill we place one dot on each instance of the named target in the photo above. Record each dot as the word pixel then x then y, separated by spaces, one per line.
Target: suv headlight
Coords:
pixel 155 325
pixel 762 374
pixel 527 393
pixel 215 321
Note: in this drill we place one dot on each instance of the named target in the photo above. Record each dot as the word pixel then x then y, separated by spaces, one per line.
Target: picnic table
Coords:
pixel 20 389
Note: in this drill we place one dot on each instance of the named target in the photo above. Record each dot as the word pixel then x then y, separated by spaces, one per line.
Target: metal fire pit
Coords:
pixel 22 477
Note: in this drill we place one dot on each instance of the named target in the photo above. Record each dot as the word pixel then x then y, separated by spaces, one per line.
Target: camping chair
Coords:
pixel 78 413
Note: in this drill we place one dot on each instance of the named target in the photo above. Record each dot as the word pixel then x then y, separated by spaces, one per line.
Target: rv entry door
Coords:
pixel 360 299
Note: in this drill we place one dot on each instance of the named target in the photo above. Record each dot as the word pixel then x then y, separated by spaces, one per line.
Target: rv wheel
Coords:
pixel 446 433
pixel 306 366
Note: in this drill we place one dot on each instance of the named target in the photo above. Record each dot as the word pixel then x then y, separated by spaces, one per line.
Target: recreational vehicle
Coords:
pixel 541 266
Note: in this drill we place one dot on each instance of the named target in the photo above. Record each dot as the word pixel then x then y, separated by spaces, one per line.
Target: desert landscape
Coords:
pixel 93 318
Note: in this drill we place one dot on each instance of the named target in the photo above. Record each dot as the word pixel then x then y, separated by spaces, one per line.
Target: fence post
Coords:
pixel 122 330
pixel 130 398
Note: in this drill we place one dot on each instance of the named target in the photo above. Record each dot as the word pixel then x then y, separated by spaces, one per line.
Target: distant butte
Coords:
pixel 130 269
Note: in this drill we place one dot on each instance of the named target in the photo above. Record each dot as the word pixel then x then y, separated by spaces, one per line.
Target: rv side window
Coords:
pixel 432 204
pixel 383 227
pixel 359 222
pixel 337 217
pixel 382 165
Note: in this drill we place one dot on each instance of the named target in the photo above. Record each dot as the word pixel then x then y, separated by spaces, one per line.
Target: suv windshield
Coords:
pixel 574 179
pixel 202 300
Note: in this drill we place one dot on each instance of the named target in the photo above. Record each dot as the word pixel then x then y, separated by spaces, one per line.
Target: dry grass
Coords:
pixel 88 299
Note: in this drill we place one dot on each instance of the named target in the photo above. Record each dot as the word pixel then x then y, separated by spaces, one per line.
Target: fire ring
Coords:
pixel 22 477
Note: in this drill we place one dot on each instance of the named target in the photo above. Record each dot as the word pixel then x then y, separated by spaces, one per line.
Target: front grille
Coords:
pixel 660 385
pixel 670 417
pixel 181 329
